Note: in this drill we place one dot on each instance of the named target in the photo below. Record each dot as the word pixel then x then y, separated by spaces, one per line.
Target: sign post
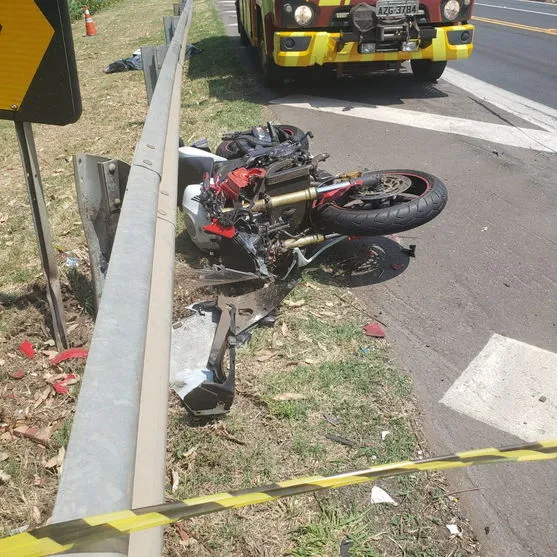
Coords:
pixel 39 84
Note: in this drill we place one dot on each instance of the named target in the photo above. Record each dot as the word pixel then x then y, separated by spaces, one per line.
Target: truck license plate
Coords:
pixel 396 8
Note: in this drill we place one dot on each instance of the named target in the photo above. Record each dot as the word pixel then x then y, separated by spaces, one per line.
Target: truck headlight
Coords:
pixel 451 9
pixel 303 14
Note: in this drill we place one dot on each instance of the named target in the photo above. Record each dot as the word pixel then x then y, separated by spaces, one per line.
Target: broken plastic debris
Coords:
pixel 384 434
pixel 72 262
pixel 20 374
pixel 341 440
pixel 333 420
pixel 410 250
pixel 70 354
pixel 453 529
pixel 61 387
pixel 379 495
pixel 27 348
pixel 374 330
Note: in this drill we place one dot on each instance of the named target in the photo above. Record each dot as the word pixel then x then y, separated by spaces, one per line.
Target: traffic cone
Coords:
pixel 90 29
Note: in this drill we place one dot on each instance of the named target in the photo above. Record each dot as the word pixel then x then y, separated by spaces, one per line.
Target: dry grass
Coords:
pixel 114 108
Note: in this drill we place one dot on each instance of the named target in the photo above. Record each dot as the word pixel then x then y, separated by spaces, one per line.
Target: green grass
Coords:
pixel 62 435
pixel 217 95
pixel 76 6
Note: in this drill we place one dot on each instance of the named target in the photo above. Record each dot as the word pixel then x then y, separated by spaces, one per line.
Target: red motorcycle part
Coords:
pixel 70 354
pixel 238 179
pixel 334 194
pixel 219 230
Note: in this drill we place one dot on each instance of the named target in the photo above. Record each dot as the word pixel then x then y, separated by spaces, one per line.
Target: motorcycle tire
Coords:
pixel 229 149
pixel 424 205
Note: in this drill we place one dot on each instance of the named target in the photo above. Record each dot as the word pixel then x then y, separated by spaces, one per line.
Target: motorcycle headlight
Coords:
pixel 451 9
pixel 304 14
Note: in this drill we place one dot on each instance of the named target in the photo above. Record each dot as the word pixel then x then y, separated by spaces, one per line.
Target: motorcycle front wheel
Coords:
pixel 404 200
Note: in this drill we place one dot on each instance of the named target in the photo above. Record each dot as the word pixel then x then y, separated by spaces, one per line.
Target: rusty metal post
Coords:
pixel 40 218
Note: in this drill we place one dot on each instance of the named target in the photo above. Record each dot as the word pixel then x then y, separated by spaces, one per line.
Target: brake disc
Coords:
pixel 390 185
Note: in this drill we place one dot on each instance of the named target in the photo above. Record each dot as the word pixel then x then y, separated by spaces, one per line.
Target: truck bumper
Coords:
pixel 308 48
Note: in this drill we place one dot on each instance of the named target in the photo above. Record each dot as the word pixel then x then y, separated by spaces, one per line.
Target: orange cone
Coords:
pixel 90 29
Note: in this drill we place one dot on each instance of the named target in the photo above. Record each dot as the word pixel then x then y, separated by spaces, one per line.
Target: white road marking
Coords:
pixel 546 4
pixel 496 133
pixel 514 9
pixel 538 114
pixel 512 386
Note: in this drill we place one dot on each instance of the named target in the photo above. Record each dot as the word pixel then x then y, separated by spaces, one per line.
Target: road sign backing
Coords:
pixel 38 74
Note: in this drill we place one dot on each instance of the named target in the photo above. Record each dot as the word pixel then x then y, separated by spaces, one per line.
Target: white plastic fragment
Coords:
pixel 379 495
pixel 384 434
pixel 453 529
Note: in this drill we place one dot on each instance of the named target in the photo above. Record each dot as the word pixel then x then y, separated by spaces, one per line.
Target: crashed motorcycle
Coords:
pixel 264 207
pixel 268 208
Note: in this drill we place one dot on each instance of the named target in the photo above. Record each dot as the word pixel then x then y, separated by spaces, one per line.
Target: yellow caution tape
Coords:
pixel 60 537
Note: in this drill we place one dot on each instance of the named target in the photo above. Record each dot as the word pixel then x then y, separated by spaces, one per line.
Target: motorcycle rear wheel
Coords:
pixel 229 148
pixel 421 202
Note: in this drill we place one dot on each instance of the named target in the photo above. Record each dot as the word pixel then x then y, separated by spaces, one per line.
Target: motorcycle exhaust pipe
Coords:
pixel 285 199
pixel 308 240
pixel 305 241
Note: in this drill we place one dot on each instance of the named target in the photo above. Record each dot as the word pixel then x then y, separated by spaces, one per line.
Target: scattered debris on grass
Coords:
pixel 70 354
pixel 379 496
pixel 345 409
pixel 374 330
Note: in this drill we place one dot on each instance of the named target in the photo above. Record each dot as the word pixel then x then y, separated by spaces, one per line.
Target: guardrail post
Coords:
pixel 153 59
pixel 170 24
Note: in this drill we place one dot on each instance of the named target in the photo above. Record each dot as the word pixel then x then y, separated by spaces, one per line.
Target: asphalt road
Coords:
pixel 487 264
pixel 519 60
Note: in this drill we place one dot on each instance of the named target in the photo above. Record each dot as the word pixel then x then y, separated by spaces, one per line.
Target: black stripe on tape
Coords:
pixel 69 532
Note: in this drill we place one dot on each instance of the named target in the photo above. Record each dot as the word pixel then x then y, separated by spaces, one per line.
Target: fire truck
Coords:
pixel 354 36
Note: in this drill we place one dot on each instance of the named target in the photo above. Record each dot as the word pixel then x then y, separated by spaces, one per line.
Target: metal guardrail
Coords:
pixel 116 452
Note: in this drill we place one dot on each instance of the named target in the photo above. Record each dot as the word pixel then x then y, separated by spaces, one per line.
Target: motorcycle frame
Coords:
pixel 300 260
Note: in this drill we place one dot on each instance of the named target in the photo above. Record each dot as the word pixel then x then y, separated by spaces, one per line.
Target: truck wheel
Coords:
pixel 427 70
pixel 273 74
pixel 244 39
